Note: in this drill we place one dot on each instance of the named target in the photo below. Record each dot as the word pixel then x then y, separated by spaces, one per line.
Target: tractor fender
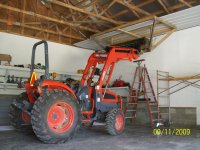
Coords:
pixel 51 84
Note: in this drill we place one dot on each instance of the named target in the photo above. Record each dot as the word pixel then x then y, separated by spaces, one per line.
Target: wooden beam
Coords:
pixel 46 18
pixel 181 78
pixel 143 19
pixel 134 31
pixel 163 6
pixel 95 9
pixel 48 28
pixel 71 11
pixel 94 2
pixel 178 6
pixel 107 7
pixel 23 15
pixel 142 35
pixel 133 11
pixel 43 30
pixel 125 25
pixel 129 33
pixel 126 11
pixel 39 38
pixel 186 3
pixel 156 13
pixel 133 7
pixel 120 13
pixel 79 4
pixel 163 39
pixel 165 22
pixel 145 3
pixel 59 3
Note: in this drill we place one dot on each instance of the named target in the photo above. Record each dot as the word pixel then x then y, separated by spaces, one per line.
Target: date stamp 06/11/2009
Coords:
pixel 168 131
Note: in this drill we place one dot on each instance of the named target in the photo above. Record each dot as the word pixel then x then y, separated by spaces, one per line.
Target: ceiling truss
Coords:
pixel 71 21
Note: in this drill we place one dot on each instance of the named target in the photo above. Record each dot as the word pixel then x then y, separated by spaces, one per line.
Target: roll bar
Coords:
pixel 46 76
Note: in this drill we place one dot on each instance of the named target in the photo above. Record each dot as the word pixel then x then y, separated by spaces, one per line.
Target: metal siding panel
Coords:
pixel 183 19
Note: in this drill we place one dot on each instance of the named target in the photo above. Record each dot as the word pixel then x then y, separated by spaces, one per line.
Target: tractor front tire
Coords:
pixel 55 116
pixel 115 121
pixel 19 119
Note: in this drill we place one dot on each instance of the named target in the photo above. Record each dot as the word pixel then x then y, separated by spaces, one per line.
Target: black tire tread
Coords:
pixel 14 114
pixel 110 121
pixel 39 126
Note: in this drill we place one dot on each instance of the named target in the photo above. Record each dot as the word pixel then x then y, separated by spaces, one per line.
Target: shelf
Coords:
pixel 25 73
pixel 42 71
pixel 38 70
pixel 19 68
pixel 115 88
pixel 9 84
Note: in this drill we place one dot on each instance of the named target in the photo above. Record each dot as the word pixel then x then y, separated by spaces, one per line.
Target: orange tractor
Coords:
pixel 55 110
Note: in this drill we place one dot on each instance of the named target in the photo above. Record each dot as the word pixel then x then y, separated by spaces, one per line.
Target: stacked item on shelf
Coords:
pixel 5 57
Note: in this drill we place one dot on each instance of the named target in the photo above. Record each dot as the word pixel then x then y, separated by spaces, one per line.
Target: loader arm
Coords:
pixel 108 58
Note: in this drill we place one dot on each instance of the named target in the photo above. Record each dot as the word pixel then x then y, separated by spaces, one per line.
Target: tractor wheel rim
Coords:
pixel 60 117
pixel 25 117
pixel 119 122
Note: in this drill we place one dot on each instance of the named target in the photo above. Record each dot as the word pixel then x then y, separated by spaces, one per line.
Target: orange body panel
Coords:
pixel 107 59
pixel 51 84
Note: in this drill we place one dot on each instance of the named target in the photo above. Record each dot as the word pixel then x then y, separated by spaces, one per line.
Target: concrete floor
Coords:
pixel 134 138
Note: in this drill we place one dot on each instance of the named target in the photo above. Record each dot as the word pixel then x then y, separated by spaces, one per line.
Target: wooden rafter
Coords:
pixel 94 2
pixel 178 6
pixel 126 10
pixel 45 17
pixel 107 7
pixel 82 19
pixel 49 27
pixel 133 7
pixel 31 36
pixel 120 13
pixel 129 33
pixel 163 38
pixel 23 15
pixel 186 3
pixel 95 9
pixel 148 30
pixel 59 3
pixel 134 31
pixel 127 24
pixel 165 22
pixel 142 35
pixel 42 30
pixel 145 3
pixel 81 3
pixel 132 10
pixel 163 6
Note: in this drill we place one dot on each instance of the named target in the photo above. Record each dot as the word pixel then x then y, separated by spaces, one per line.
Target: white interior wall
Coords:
pixel 62 58
pixel 180 56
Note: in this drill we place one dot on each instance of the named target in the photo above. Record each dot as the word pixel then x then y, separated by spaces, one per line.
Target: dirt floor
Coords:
pixel 96 138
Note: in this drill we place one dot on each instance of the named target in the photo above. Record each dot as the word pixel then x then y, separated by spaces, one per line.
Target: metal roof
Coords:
pixel 182 20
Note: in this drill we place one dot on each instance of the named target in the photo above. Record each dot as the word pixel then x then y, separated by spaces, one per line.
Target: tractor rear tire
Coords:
pixel 115 121
pixel 18 119
pixel 55 116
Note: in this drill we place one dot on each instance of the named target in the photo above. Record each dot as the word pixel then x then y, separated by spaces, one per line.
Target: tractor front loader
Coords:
pixel 55 111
